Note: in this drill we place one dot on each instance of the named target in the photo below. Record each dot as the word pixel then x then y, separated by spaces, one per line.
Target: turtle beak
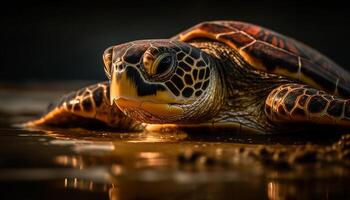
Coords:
pixel 128 90
pixel 121 87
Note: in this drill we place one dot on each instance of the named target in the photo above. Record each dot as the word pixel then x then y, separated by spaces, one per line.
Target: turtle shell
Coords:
pixel 271 52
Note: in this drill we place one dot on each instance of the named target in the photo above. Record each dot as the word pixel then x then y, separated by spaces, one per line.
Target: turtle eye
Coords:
pixel 160 67
pixel 163 63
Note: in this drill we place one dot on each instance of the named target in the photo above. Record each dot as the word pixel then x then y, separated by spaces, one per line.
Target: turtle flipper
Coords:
pixel 89 105
pixel 301 103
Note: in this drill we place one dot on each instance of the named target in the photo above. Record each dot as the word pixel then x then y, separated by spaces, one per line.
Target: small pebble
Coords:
pixel 263 152
pixel 304 157
pixel 279 155
pixel 346 154
pixel 241 149
pixel 189 156
pixel 205 161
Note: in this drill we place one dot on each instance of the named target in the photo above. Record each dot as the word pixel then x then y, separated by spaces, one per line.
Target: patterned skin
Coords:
pixel 83 107
pixel 162 73
pixel 300 103
pixel 220 74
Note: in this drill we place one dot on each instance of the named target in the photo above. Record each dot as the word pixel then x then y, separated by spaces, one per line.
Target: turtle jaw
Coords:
pixel 141 100
pixel 147 111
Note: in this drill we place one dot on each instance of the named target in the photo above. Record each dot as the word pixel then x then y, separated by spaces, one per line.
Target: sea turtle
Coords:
pixel 217 74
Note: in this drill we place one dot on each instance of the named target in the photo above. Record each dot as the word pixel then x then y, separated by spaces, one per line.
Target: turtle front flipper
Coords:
pixel 87 107
pixel 301 103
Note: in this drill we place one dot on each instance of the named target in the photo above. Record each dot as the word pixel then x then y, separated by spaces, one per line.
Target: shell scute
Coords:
pixel 271 52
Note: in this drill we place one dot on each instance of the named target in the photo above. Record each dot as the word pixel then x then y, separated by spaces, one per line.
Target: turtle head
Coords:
pixel 159 81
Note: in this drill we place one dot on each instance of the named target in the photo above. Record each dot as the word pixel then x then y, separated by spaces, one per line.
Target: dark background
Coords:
pixel 52 41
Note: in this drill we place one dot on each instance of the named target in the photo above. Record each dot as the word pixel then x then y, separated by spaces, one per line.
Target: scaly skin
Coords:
pixel 301 103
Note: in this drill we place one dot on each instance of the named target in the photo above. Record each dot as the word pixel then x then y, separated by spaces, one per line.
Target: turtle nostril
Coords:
pixel 119 67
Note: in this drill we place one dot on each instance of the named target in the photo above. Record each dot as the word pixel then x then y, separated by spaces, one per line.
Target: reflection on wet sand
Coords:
pixel 321 189
pixel 279 191
pixel 173 166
